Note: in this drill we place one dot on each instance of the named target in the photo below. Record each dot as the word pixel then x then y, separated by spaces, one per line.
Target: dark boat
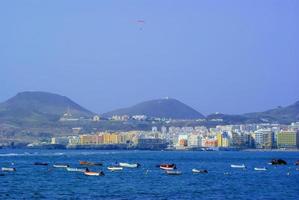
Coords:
pixel 278 162
pixel 40 163
pixel 90 163
pixel 297 163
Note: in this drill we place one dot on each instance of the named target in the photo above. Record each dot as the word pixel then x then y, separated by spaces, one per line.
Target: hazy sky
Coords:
pixel 227 56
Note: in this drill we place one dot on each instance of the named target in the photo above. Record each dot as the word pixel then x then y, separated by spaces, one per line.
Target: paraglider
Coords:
pixel 140 23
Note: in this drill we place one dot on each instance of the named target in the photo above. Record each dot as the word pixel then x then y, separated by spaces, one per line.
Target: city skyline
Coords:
pixel 108 55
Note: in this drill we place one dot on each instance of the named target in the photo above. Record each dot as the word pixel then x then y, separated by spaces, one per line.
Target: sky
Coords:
pixel 217 56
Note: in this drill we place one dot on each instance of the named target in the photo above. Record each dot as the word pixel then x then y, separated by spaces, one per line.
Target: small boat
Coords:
pixel 297 162
pixel 70 169
pixel 167 166
pixel 40 163
pixel 60 165
pixel 8 169
pixel 90 163
pixel 238 166
pixel 94 173
pixel 278 162
pixel 260 168
pixel 128 165
pixel 199 171
pixel 115 168
pixel 173 172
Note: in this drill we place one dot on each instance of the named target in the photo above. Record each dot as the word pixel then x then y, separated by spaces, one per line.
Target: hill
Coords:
pixel 162 108
pixel 283 115
pixel 286 114
pixel 39 107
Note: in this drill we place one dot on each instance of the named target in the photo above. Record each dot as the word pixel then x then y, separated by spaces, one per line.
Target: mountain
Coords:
pixel 39 107
pixel 286 114
pixel 162 108
pixel 283 115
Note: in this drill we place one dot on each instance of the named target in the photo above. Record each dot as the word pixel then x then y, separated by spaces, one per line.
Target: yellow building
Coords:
pixel 219 139
pixel 88 139
pixel 222 140
pixel 111 138
pixel 288 139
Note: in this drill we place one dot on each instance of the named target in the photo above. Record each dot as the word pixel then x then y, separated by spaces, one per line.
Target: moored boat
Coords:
pixel 238 166
pixel 129 165
pixel 94 173
pixel 90 163
pixel 40 163
pixel 115 168
pixel 61 165
pixel 167 166
pixel 260 168
pixel 278 162
pixel 199 171
pixel 8 169
pixel 70 169
pixel 173 172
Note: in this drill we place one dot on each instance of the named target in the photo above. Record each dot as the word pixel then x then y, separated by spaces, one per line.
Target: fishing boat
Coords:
pixel 60 165
pixel 94 173
pixel 278 162
pixel 238 166
pixel 90 163
pixel 260 168
pixel 173 172
pixel 8 169
pixel 40 163
pixel 199 171
pixel 128 165
pixel 167 166
pixel 115 168
pixel 70 169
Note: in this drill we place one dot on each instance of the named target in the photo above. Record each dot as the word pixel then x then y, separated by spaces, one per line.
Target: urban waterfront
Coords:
pixel 148 181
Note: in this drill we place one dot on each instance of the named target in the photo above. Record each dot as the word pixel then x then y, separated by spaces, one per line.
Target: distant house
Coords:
pixel 96 118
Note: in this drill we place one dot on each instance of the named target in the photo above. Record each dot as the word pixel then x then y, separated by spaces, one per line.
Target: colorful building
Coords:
pixel 288 139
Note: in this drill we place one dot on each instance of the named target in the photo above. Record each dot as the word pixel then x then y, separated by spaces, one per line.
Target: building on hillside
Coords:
pixel 96 118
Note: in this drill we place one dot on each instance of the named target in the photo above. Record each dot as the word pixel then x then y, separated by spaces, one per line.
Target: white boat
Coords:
pixel 128 165
pixel 94 173
pixel 173 172
pixel 260 168
pixel 60 166
pixel 199 171
pixel 70 169
pixel 8 169
pixel 167 166
pixel 115 168
pixel 238 166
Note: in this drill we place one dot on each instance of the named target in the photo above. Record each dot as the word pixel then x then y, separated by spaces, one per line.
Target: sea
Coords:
pixel 148 181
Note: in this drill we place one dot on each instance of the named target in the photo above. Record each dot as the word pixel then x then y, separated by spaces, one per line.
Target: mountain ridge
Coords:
pixel 39 106
pixel 162 108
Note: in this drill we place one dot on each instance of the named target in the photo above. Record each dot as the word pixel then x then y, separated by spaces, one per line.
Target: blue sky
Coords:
pixel 217 56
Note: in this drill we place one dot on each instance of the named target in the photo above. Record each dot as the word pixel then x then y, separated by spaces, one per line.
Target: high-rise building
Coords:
pixel 288 139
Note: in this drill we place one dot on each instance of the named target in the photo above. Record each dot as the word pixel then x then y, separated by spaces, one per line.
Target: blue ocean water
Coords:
pixel 148 182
